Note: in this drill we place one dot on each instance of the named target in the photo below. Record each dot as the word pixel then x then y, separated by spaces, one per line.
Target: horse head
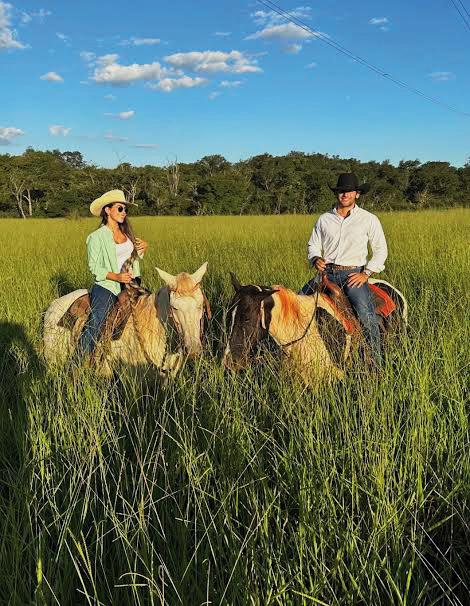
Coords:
pixel 248 321
pixel 186 305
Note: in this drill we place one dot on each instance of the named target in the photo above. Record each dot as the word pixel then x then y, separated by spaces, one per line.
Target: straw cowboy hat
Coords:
pixel 349 182
pixel 110 197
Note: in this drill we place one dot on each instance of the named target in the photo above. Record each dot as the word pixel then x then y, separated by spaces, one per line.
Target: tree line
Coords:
pixel 58 184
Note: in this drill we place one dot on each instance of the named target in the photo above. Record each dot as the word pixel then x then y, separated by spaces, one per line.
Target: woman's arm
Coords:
pixel 93 246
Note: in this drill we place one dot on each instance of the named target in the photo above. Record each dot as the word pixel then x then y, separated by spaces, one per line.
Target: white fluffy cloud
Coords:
pixel 140 42
pixel 167 85
pixel 110 137
pixel 7 34
pixel 109 59
pixel 270 18
pixel 222 34
pixel 57 130
pixel 441 76
pixel 123 115
pixel 87 56
pixel 109 71
pixel 40 14
pixel 285 31
pixel 293 49
pixel 210 62
pixel 214 95
pixel 52 77
pixel 278 28
pixel 231 83
pixel 62 36
pixel 145 145
pixel 8 133
pixel 378 21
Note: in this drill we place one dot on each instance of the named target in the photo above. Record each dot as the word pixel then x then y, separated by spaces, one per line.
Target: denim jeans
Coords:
pixel 101 302
pixel 362 303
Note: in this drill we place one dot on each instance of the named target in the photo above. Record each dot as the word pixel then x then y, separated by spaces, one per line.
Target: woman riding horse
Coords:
pixel 108 248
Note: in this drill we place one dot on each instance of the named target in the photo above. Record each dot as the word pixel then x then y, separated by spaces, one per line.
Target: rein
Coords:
pixel 134 290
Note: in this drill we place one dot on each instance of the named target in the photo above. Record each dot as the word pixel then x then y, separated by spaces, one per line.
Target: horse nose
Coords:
pixel 194 350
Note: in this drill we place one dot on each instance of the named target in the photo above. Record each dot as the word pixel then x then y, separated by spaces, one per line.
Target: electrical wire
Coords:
pixel 342 49
pixel 465 15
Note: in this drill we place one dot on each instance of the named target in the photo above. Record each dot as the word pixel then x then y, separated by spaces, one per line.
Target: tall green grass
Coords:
pixel 246 489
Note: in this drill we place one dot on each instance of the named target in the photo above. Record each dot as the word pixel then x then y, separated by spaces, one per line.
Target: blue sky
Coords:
pixel 149 81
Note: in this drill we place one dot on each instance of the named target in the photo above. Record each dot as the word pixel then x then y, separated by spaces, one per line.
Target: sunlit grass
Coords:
pixel 246 489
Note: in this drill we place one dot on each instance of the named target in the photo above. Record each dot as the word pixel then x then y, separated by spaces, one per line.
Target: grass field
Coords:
pixel 246 490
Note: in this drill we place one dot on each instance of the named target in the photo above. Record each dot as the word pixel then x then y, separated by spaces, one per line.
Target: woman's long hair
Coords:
pixel 125 227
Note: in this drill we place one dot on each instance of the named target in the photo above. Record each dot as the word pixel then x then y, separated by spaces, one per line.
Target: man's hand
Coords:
pixel 320 264
pixel 356 280
pixel 141 246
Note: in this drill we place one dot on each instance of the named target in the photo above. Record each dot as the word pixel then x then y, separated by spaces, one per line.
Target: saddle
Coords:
pixel 115 322
pixel 384 304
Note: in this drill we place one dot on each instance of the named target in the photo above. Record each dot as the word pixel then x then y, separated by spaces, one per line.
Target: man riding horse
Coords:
pixel 338 247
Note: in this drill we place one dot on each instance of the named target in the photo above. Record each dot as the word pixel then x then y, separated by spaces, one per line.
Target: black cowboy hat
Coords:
pixel 349 182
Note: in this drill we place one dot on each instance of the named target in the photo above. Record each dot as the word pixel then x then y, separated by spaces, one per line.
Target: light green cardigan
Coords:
pixel 102 259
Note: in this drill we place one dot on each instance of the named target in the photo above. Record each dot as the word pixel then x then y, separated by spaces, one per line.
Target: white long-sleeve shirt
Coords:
pixel 344 241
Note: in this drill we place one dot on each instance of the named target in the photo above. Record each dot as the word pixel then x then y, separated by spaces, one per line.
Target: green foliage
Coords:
pixel 243 489
pixel 53 184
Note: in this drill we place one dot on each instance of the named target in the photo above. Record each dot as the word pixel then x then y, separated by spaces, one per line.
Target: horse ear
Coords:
pixel 199 273
pixel 266 292
pixel 167 278
pixel 235 283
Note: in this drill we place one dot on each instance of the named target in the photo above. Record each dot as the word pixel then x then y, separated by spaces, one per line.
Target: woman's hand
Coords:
pixel 320 264
pixel 356 280
pixel 141 246
pixel 123 278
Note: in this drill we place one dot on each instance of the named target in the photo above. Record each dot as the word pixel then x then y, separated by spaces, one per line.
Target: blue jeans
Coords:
pixel 101 302
pixel 362 303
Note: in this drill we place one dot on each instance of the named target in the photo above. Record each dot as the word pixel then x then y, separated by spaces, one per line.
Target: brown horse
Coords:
pixel 313 333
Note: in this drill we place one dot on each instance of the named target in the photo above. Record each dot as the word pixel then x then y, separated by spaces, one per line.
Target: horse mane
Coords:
pixel 290 306
pixel 185 286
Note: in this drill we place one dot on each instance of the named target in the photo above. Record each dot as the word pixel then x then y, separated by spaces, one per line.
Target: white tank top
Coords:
pixel 123 252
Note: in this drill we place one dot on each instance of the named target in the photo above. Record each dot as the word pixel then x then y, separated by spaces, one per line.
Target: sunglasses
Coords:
pixel 121 209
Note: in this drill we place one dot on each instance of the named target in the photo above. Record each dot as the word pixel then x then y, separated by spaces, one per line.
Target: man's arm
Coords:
pixel 315 244
pixel 378 245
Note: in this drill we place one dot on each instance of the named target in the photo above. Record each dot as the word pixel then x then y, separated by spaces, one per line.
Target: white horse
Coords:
pixel 145 335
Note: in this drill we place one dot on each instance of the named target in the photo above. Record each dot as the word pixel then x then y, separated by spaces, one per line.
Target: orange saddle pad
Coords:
pixel 384 304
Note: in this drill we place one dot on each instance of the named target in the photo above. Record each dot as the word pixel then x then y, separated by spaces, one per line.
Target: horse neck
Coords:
pixel 145 316
pixel 287 327
pixel 149 332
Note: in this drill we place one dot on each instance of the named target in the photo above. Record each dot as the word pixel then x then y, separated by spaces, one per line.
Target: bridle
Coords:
pixel 171 324
pixel 307 328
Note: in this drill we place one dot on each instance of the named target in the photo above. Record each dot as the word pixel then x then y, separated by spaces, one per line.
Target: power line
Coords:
pixel 465 14
pixel 342 49
pixel 464 8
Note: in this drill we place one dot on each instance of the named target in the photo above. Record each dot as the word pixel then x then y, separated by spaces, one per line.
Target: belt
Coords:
pixel 335 267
